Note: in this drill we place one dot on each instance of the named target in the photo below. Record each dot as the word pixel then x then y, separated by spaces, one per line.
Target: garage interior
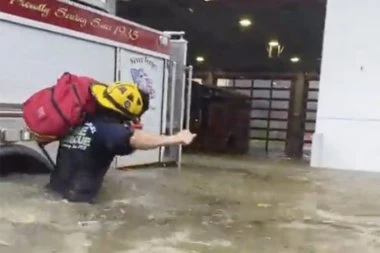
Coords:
pixel 263 199
pixel 214 33
pixel 237 57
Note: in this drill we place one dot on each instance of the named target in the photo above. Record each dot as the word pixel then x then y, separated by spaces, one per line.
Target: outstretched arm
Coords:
pixel 144 140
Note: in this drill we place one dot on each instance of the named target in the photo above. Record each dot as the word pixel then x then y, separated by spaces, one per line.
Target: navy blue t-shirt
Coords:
pixel 85 155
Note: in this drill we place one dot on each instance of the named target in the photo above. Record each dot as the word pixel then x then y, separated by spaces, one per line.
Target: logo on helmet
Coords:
pixel 143 81
pixel 127 104
pixel 122 89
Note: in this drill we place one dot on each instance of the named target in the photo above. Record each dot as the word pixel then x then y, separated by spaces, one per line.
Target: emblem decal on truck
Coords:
pixel 145 83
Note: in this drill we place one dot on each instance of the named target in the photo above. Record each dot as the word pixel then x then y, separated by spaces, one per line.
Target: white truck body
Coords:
pixel 41 39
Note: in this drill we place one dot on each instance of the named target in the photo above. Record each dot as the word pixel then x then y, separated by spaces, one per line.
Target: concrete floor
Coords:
pixel 214 205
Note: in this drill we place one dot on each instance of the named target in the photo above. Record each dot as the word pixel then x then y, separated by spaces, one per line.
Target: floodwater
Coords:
pixel 213 205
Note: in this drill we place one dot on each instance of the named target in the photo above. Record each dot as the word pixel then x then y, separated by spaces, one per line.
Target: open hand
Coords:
pixel 185 137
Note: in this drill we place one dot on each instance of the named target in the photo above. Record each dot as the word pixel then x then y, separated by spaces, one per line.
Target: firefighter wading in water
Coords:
pixel 86 154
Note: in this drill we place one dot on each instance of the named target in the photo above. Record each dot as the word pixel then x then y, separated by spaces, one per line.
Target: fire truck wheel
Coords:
pixel 22 160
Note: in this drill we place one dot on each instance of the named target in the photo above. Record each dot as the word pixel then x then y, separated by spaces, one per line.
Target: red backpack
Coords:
pixel 51 112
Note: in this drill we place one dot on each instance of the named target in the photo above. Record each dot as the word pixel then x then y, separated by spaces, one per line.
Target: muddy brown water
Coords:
pixel 212 205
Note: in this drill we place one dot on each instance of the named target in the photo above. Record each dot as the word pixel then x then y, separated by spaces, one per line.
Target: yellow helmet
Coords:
pixel 124 98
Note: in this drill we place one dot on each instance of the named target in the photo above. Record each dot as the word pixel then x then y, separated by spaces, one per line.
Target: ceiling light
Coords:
pixel 273 43
pixel 245 22
pixel 295 59
pixel 200 59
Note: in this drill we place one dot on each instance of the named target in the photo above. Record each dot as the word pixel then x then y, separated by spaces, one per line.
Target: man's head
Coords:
pixel 125 99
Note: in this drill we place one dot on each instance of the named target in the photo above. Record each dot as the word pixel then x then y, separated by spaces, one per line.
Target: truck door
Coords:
pixel 147 72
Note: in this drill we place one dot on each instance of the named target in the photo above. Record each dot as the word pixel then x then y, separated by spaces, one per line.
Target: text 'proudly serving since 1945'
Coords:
pixel 82 20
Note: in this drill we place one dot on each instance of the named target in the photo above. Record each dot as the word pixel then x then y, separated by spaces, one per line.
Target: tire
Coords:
pixel 22 160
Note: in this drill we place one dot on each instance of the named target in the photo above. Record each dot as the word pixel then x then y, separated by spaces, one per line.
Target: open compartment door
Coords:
pixel 170 154
pixel 177 99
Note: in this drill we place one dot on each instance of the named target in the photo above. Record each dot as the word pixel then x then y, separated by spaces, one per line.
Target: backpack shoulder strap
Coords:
pixel 46 154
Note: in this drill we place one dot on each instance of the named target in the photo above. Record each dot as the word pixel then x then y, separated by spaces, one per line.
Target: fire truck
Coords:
pixel 41 39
